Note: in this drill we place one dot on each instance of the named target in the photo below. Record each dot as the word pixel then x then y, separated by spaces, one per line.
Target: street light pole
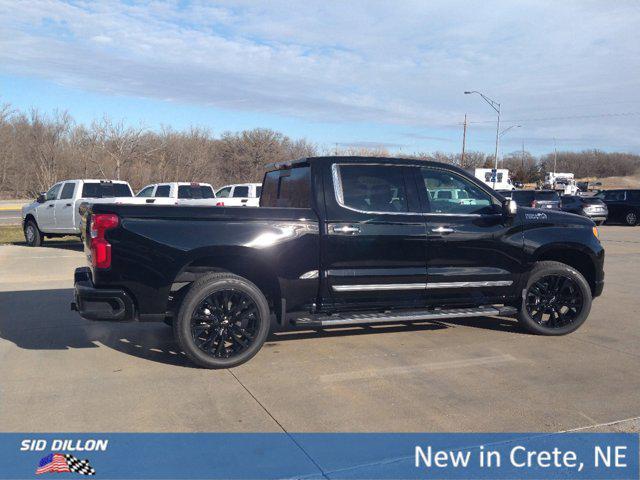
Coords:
pixel 496 106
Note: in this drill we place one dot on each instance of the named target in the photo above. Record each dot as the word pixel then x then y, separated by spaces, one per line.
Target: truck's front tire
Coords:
pixel 556 300
pixel 32 234
pixel 223 321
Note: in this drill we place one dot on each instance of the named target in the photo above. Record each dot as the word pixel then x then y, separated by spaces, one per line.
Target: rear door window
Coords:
pixel 163 191
pixel 634 195
pixel 372 188
pixel 287 188
pixel 67 191
pixel 241 192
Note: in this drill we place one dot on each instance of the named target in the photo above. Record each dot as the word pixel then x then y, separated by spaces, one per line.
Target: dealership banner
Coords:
pixel 319 455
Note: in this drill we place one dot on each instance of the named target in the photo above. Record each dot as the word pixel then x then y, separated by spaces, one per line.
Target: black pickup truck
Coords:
pixel 337 241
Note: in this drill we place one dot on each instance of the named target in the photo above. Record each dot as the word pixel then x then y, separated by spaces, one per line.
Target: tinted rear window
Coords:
pixel 522 196
pixel 106 190
pixel 287 188
pixel 548 196
pixel 592 200
pixel 195 191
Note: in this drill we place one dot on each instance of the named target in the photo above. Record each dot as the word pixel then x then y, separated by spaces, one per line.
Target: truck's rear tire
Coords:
pixel 556 300
pixel 32 234
pixel 223 321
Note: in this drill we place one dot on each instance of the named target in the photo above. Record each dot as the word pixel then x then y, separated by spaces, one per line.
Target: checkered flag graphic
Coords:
pixel 79 466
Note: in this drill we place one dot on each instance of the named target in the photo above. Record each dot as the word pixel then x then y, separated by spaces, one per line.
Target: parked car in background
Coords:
pixel 546 199
pixel 240 195
pixel 56 213
pixel 178 193
pixel 337 241
pixel 623 205
pixel 591 207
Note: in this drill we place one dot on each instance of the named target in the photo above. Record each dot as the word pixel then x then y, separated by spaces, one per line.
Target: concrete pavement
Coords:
pixel 62 373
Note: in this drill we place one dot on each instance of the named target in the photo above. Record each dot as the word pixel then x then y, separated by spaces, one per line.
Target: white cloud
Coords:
pixel 372 61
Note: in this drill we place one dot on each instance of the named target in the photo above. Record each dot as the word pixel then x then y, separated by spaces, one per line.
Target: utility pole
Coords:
pixel 522 157
pixel 496 106
pixel 464 140
pixel 555 156
pixel 497 143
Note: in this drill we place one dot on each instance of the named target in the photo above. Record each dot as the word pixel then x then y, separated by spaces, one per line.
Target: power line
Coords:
pixel 570 117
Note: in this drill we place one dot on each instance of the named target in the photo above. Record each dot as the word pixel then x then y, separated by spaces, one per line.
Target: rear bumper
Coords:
pixel 104 304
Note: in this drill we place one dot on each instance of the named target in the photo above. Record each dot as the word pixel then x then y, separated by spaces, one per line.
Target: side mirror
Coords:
pixel 41 198
pixel 509 208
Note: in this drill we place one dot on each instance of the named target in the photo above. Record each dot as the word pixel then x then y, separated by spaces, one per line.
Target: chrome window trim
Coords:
pixel 339 192
pixel 420 286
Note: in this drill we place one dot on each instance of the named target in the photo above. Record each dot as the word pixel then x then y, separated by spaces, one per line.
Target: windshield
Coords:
pixel 106 190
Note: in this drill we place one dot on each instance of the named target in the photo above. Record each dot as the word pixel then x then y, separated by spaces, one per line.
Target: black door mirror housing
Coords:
pixel 41 198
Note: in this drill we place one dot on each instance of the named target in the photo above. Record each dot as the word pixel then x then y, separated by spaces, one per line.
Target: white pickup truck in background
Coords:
pixel 177 193
pixel 240 195
pixel 56 213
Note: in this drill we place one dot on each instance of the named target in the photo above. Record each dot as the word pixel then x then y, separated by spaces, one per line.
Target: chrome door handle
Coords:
pixel 346 229
pixel 442 230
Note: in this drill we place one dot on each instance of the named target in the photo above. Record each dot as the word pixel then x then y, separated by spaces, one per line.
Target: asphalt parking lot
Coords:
pixel 61 373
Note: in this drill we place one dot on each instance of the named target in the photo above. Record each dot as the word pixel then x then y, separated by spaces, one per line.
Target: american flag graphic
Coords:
pixel 61 463
pixel 54 462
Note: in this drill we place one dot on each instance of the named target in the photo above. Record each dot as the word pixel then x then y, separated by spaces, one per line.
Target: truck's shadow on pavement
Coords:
pixel 42 320
pixel 72 245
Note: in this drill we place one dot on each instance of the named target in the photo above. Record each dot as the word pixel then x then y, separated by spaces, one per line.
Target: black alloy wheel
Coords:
pixel 225 323
pixel 554 301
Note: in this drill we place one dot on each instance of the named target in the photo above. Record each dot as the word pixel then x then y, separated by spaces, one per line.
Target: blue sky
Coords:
pixel 353 73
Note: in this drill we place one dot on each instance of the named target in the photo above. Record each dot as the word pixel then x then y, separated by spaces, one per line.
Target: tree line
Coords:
pixel 37 150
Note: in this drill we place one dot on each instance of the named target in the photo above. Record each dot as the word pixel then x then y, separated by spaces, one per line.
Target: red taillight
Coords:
pixel 219 204
pixel 100 248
